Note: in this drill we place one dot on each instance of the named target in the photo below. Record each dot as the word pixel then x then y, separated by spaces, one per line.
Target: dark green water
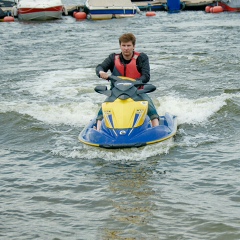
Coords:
pixel 54 187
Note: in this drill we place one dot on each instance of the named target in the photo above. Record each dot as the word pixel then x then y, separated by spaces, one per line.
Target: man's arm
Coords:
pixel 143 67
pixel 107 64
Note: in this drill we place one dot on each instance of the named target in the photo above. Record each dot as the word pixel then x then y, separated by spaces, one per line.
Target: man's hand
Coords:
pixel 103 75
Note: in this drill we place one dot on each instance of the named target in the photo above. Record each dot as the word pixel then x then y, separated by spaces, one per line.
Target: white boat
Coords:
pixel 230 5
pixel 108 9
pixel 40 10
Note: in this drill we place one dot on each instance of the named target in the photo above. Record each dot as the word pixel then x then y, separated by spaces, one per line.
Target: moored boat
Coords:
pixel 28 10
pixel 6 3
pixel 108 9
pixel 231 6
pixel 2 14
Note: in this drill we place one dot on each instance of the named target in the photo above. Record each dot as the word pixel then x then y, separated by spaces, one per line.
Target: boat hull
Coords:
pixel 40 14
pixel 98 10
pixel 233 6
pixel 127 138
pixel 109 14
pixel 39 10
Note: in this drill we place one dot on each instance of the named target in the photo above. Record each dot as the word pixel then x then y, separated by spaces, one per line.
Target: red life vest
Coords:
pixel 127 70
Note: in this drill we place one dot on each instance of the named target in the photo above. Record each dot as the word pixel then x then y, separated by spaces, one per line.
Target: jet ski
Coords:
pixel 125 121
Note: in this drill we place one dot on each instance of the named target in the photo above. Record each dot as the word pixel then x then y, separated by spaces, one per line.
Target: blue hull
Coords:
pixel 113 11
pixel 126 138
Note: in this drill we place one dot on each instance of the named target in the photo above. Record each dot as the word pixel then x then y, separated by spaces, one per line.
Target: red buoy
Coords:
pixel 150 14
pixel 8 19
pixel 216 9
pixel 80 15
pixel 207 9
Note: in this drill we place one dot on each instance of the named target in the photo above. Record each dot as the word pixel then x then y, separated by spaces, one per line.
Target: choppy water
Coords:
pixel 54 187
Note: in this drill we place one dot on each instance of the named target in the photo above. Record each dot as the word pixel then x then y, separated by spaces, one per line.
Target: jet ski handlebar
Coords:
pixel 122 87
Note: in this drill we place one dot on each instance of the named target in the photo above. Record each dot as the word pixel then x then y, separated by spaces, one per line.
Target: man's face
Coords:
pixel 127 49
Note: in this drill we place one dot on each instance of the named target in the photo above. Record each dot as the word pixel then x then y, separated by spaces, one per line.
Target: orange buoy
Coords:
pixel 80 15
pixel 8 19
pixel 217 9
pixel 207 9
pixel 150 14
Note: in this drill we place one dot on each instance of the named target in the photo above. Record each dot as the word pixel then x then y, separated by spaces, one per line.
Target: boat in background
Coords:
pixel 108 9
pixel 154 5
pixel 39 10
pixel 224 6
pixel 2 14
pixel 5 10
pixel 230 5
pixel 6 3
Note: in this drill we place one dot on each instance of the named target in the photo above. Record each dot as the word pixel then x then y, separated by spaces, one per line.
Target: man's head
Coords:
pixel 127 43
pixel 127 37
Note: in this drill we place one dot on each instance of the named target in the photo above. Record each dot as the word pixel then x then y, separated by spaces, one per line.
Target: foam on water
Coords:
pixel 193 111
pixel 67 98
pixel 57 97
pixel 127 154
pixel 75 114
pixel 60 84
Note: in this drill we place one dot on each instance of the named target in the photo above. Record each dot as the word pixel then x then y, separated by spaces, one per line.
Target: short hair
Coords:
pixel 127 37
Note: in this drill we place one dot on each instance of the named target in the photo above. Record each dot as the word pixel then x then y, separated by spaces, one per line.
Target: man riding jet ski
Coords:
pixel 128 118
pixel 128 63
